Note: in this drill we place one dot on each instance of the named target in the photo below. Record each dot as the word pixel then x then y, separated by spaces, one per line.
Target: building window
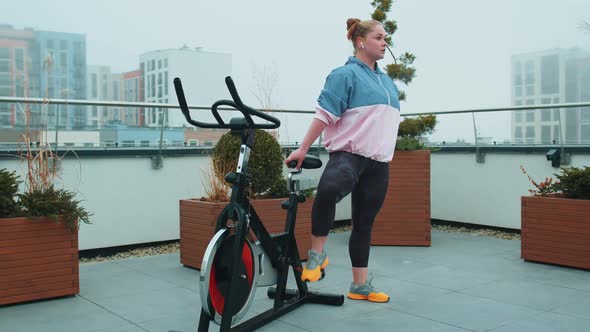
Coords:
pixel 115 90
pixel 530 78
pixel 585 133
pixel 166 83
pixel 159 64
pixel 546 113
pixel 530 134
pixel 94 85
pixel 556 133
pixel 166 63
pixel 546 134
pixel 19 59
pixel 6 91
pixel 518 116
pixel 530 116
pixel 153 64
pixel 550 74
pixel 5 79
pixel 530 72
pixel 4 53
pixel 517 73
pixel 4 66
pixel 63 63
pixel 518 133
pixel 518 79
pixel 153 85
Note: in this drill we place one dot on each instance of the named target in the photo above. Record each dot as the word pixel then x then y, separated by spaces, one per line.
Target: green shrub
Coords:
pixel 59 204
pixel 574 182
pixel 265 165
pixel 8 190
pixel 412 129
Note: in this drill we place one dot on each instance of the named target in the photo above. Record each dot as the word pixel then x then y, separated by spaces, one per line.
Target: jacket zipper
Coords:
pixel 387 93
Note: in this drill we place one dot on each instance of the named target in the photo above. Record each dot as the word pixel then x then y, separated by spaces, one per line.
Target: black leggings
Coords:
pixel 367 180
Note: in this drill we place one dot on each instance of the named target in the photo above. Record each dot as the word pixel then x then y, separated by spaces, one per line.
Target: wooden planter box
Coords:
pixel 198 219
pixel 404 219
pixel 556 231
pixel 38 260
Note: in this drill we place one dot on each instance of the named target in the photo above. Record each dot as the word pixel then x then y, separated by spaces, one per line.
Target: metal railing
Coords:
pixel 480 157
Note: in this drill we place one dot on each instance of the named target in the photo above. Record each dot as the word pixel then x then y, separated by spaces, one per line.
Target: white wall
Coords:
pixel 133 203
pixel 78 138
pixel 489 193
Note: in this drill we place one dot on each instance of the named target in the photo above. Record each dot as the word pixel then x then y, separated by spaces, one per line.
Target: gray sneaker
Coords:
pixel 314 268
pixel 367 291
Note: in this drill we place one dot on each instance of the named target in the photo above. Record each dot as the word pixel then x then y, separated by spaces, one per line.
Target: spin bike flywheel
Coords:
pixel 216 275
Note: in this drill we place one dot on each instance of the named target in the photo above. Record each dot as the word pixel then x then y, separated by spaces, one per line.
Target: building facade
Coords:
pixel 551 77
pixel 202 74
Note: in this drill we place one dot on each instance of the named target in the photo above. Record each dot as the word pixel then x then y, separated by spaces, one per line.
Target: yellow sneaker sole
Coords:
pixel 369 298
pixel 315 274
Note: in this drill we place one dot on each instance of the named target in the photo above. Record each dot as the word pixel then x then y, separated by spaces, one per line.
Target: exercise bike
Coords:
pixel 233 266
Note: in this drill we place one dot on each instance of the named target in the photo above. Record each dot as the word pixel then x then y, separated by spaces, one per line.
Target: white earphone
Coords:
pixel 362 45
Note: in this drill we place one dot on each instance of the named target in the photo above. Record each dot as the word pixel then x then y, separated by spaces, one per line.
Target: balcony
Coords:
pixel 462 282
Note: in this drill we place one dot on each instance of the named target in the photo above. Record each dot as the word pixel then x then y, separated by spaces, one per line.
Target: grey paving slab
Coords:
pixel 150 305
pixel 385 320
pixel 466 311
pixel 532 294
pixel 116 284
pixel 165 267
pixel 462 282
pixel 129 327
pixel 450 278
pixel 546 322
pixel 579 306
pixel 565 277
pixel 184 322
pixel 73 314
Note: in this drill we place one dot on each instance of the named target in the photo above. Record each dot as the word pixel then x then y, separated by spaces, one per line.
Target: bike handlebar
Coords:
pixel 237 103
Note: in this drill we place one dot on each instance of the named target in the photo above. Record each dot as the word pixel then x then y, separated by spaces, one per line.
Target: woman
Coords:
pixel 359 111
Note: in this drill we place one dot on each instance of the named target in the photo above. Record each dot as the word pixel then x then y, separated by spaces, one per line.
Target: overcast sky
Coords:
pixel 463 47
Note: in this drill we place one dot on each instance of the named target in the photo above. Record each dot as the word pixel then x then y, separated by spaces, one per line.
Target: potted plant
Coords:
pixel 555 219
pixel 404 218
pixel 268 190
pixel 38 240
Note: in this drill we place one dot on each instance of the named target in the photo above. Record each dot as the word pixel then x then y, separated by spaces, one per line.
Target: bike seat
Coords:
pixel 310 162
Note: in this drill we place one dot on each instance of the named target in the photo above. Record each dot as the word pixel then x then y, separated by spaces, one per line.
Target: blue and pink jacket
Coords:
pixel 361 109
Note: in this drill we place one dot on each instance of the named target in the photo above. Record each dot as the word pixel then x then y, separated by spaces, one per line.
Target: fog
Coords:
pixel 463 47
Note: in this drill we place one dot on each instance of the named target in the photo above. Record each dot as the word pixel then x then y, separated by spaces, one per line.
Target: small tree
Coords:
pixel 402 71
pixel 411 130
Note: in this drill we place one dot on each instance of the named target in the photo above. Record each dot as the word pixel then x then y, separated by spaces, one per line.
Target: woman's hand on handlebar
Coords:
pixel 297 155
